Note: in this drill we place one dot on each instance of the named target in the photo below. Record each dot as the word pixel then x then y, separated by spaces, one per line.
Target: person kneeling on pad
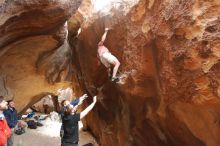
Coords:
pixel 107 58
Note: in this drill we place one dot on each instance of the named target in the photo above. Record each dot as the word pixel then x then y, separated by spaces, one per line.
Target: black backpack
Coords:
pixel 19 131
pixel 39 124
pixel 32 124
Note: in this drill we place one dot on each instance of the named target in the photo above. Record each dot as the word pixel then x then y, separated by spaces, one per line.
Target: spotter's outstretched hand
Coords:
pixel 94 99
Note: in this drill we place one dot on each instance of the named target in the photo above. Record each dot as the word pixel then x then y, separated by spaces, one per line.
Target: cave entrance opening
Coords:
pixel 45 109
pixel 105 6
pixel 45 105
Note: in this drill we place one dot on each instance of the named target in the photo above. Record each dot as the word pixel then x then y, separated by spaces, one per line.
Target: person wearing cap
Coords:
pixel 12 120
pixel 5 131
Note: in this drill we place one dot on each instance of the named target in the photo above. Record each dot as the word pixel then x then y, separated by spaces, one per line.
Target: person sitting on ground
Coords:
pixel 5 131
pixel 70 123
pixel 12 120
pixel 107 58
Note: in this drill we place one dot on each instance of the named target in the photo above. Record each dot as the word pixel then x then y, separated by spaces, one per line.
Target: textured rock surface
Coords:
pixel 35 58
pixel 22 18
pixel 169 51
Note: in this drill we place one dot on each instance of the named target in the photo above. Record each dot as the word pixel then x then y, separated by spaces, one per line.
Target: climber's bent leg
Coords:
pixel 115 70
pixel 108 59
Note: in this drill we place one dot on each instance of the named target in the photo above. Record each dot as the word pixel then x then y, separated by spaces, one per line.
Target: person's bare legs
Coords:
pixel 115 69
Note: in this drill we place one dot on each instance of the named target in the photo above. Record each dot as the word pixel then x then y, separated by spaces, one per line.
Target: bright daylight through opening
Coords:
pixel 105 6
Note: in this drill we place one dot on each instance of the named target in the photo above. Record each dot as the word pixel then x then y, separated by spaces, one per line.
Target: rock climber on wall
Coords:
pixel 107 58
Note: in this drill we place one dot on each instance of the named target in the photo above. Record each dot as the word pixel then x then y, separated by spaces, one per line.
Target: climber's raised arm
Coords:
pixel 88 109
pixel 104 35
pixel 82 98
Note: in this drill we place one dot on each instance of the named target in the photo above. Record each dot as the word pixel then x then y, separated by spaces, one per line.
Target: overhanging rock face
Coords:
pixel 35 58
pixel 170 52
pixel 27 18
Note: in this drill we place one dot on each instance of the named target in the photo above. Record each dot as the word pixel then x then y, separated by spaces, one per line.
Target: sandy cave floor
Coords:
pixel 48 135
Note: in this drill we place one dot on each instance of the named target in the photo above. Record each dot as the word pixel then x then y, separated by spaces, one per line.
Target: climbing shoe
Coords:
pixel 115 79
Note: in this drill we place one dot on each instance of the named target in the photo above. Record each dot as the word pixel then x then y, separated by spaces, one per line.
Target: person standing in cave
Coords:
pixel 66 103
pixel 70 121
pixel 107 59
pixel 12 120
pixel 5 131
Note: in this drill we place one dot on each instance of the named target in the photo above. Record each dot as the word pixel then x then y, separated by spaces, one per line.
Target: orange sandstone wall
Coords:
pixel 169 51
